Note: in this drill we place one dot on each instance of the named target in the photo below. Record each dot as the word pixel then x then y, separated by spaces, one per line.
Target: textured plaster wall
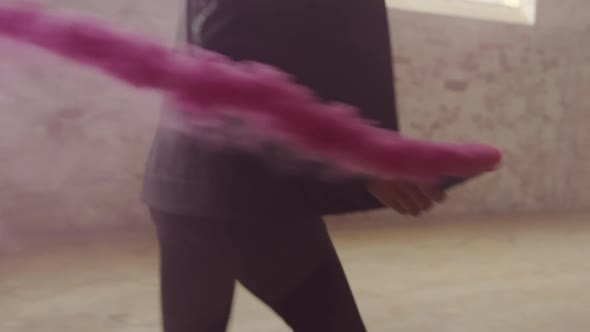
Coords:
pixel 72 142
pixel 521 88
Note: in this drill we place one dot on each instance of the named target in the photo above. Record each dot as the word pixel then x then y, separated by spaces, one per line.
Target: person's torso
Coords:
pixel 338 48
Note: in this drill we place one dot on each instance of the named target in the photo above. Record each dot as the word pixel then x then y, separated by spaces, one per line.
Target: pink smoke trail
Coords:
pixel 209 84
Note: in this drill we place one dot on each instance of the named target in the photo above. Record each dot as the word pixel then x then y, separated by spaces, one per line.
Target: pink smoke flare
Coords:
pixel 209 84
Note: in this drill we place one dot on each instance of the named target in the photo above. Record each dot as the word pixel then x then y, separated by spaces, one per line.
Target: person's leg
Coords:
pixel 197 275
pixel 293 267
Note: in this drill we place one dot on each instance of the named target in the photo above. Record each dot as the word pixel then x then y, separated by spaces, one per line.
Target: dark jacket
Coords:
pixel 339 48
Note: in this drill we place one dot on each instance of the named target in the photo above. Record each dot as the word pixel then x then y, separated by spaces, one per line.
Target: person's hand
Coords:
pixel 406 198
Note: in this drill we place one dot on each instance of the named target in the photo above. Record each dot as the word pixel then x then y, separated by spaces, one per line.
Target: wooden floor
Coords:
pixel 515 274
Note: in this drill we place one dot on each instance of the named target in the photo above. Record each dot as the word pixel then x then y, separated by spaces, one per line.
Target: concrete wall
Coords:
pixel 521 88
pixel 72 142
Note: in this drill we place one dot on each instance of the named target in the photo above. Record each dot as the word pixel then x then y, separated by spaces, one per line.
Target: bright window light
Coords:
pixel 510 11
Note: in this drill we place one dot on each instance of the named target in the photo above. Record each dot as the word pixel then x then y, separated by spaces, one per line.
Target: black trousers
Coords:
pixel 289 264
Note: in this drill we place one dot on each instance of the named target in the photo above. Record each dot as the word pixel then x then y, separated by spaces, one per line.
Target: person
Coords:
pixel 224 216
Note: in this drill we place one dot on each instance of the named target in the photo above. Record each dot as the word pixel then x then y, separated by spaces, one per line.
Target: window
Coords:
pixel 511 11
